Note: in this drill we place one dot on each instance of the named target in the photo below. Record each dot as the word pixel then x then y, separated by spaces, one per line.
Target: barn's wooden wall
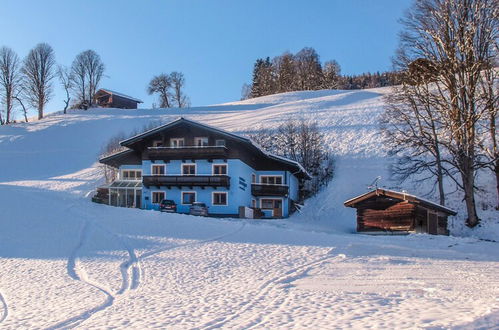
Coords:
pixel 384 214
pixel 123 103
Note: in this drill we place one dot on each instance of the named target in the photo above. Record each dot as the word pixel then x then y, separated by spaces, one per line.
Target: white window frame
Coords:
pixel 201 138
pixel 164 166
pixel 276 198
pixel 184 192
pixel 219 192
pixel 220 145
pixel 189 164
pixel 129 170
pixel 157 191
pixel 218 164
pixel 272 176
pixel 177 140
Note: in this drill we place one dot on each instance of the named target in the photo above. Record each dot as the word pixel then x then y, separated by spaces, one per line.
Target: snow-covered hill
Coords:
pixel 66 262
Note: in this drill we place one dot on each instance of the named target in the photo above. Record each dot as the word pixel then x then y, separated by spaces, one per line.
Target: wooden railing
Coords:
pixel 213 152
pixel 186 180
pixel 269 190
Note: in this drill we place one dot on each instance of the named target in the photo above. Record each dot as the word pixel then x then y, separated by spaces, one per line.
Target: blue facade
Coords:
pixel 238 194
pixel 187 162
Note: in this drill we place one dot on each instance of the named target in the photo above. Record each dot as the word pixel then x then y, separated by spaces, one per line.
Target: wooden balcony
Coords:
pixel 269 190
pixel 186 180
pixel 208 152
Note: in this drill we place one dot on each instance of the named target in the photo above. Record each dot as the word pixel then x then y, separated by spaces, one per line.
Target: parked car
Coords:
pixel 198 208
pixel 167 205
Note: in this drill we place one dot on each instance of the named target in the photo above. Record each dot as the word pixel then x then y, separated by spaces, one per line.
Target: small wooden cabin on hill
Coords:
pixel 107 98
pixel 384 210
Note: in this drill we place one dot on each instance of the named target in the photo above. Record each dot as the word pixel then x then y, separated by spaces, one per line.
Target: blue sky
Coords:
pixel 214 43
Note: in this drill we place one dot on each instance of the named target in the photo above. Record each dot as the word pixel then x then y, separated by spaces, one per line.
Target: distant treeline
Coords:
pixel 304 71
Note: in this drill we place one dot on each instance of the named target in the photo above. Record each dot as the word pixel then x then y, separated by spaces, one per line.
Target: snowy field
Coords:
pixel 68 263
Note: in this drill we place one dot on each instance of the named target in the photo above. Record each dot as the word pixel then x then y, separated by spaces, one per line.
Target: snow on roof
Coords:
pixel 248 140
pixel 403 195
pixel 121 95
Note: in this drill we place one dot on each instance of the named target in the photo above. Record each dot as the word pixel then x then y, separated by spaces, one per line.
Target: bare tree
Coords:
pixel 95 70
pixel 66 80
pixel 309 69
pixel 9 81
pixel 161 85
pixel 245 92
pixel 38 72
pixel 87 71
pixel 178 81
pixel 285 72
pixel 457 39
pixel 19 98
pixel 302 141
pixel 79 79
pixel 411 128
pixel 332 74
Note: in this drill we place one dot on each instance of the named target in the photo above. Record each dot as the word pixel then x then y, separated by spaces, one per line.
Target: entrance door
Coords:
pixel 273 204
pixel 432 223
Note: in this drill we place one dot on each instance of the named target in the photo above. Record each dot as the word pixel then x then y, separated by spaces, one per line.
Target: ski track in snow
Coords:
pixel 78 274
pixel 130 272
pixel 5 309
pixel 263 291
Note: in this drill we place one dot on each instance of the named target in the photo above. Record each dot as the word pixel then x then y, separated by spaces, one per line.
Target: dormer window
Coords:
pixel 201 141
pixel 177 142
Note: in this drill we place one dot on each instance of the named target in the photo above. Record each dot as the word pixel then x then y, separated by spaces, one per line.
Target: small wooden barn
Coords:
pixel 107 98
pixel 384 210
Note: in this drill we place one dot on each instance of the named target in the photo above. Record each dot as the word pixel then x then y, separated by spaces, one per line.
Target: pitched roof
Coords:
pixel 116 158
pixel 398 195
pixel 138 137
pixel 120 94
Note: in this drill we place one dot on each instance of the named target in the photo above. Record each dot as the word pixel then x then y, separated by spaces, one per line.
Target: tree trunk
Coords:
pixel 8 103
pixel 440 178
pixel 497 182
pixel 468 178
pixel 495 152
pixel 40 110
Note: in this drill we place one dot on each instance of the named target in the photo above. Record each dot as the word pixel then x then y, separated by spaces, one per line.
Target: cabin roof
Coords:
pixel 109 91
pixel 128 142
pixel 402 196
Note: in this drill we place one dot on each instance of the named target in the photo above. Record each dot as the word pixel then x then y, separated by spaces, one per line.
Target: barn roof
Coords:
pixel 106 90
pixel 403 196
